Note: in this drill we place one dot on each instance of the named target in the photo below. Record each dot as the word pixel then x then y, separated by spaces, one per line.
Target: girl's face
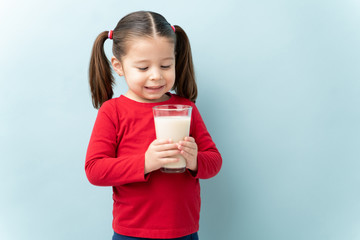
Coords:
pixel 148 68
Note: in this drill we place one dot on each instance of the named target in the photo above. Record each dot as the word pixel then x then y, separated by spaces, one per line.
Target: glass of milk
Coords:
pixel 173 122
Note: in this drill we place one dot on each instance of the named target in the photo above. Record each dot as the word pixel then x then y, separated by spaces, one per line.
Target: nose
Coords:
pixel 155 74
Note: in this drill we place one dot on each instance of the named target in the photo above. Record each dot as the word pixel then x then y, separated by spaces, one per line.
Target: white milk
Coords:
pixel 176 128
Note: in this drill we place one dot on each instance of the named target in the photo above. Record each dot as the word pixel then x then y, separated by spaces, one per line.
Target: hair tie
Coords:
pixel 110 34
pixel 173 28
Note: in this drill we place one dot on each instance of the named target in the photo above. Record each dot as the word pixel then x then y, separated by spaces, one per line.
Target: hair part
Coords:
pixel 130 27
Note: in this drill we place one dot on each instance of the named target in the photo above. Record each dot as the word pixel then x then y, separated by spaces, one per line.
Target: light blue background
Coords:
pixel 279 90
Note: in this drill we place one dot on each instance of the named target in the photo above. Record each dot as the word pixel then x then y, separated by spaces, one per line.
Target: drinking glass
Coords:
pixel 173 122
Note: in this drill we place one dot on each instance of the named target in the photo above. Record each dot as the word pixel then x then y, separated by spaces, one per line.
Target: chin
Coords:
pixel 156 98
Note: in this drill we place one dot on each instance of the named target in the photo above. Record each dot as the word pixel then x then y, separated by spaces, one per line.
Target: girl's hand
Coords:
pixel 189 150
pixel 159 153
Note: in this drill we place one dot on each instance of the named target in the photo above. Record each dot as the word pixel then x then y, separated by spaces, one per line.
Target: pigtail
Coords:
pixel 185 84
pixel 101 79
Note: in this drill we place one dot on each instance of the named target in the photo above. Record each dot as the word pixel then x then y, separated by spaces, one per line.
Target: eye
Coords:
pixel 166 67
pixel 143 69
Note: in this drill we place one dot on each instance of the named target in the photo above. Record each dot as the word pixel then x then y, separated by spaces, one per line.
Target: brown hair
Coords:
pixel 133 25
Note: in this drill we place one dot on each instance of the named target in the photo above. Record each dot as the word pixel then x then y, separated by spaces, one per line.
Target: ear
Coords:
pixel 118 68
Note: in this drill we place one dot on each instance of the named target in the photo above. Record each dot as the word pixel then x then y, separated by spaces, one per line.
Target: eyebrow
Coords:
pixel 164 59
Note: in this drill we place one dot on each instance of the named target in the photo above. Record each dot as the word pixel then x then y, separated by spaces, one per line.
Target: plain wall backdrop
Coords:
pixel 279 90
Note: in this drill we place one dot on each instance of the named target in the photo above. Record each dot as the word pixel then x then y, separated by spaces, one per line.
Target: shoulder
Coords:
pixel 110 108
pixel 181 100
pixel 108 105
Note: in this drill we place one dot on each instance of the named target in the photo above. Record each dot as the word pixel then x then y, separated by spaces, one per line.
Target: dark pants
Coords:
pixel 116 236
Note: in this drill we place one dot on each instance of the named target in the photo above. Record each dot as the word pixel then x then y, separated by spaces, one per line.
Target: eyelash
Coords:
pixel 163 67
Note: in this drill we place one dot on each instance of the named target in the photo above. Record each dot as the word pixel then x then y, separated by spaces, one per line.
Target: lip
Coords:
pixel 154 88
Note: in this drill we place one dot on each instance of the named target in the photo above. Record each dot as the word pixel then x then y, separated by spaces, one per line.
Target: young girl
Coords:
pixel 154 58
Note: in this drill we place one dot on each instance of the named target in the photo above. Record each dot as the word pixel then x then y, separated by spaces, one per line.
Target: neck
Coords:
pixel 131 96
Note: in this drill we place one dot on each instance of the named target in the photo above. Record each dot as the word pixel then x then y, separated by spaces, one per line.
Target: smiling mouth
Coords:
pixel 154 88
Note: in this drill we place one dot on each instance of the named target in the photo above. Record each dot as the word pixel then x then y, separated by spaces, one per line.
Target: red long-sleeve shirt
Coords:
pixel 155 205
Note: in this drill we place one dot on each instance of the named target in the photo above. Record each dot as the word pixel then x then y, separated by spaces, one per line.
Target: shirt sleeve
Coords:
pixel 102 166
pixel 209 158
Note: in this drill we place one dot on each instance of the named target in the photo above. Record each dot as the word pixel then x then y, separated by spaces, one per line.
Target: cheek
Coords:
pixel 134 76
pixel 171 76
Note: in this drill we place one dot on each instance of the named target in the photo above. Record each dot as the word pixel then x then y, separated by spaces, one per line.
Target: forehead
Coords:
pixel 150 48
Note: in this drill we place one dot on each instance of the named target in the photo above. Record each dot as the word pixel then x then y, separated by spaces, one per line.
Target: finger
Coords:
pixel 188 153
pixel 162 141
pixel 165 154
pixel 169 160
pixel 190 139
pixel 191 149
pixel 166 147
pixel 185 144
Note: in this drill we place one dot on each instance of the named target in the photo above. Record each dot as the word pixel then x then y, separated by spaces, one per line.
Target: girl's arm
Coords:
pixel 102 167
pixel 209 160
